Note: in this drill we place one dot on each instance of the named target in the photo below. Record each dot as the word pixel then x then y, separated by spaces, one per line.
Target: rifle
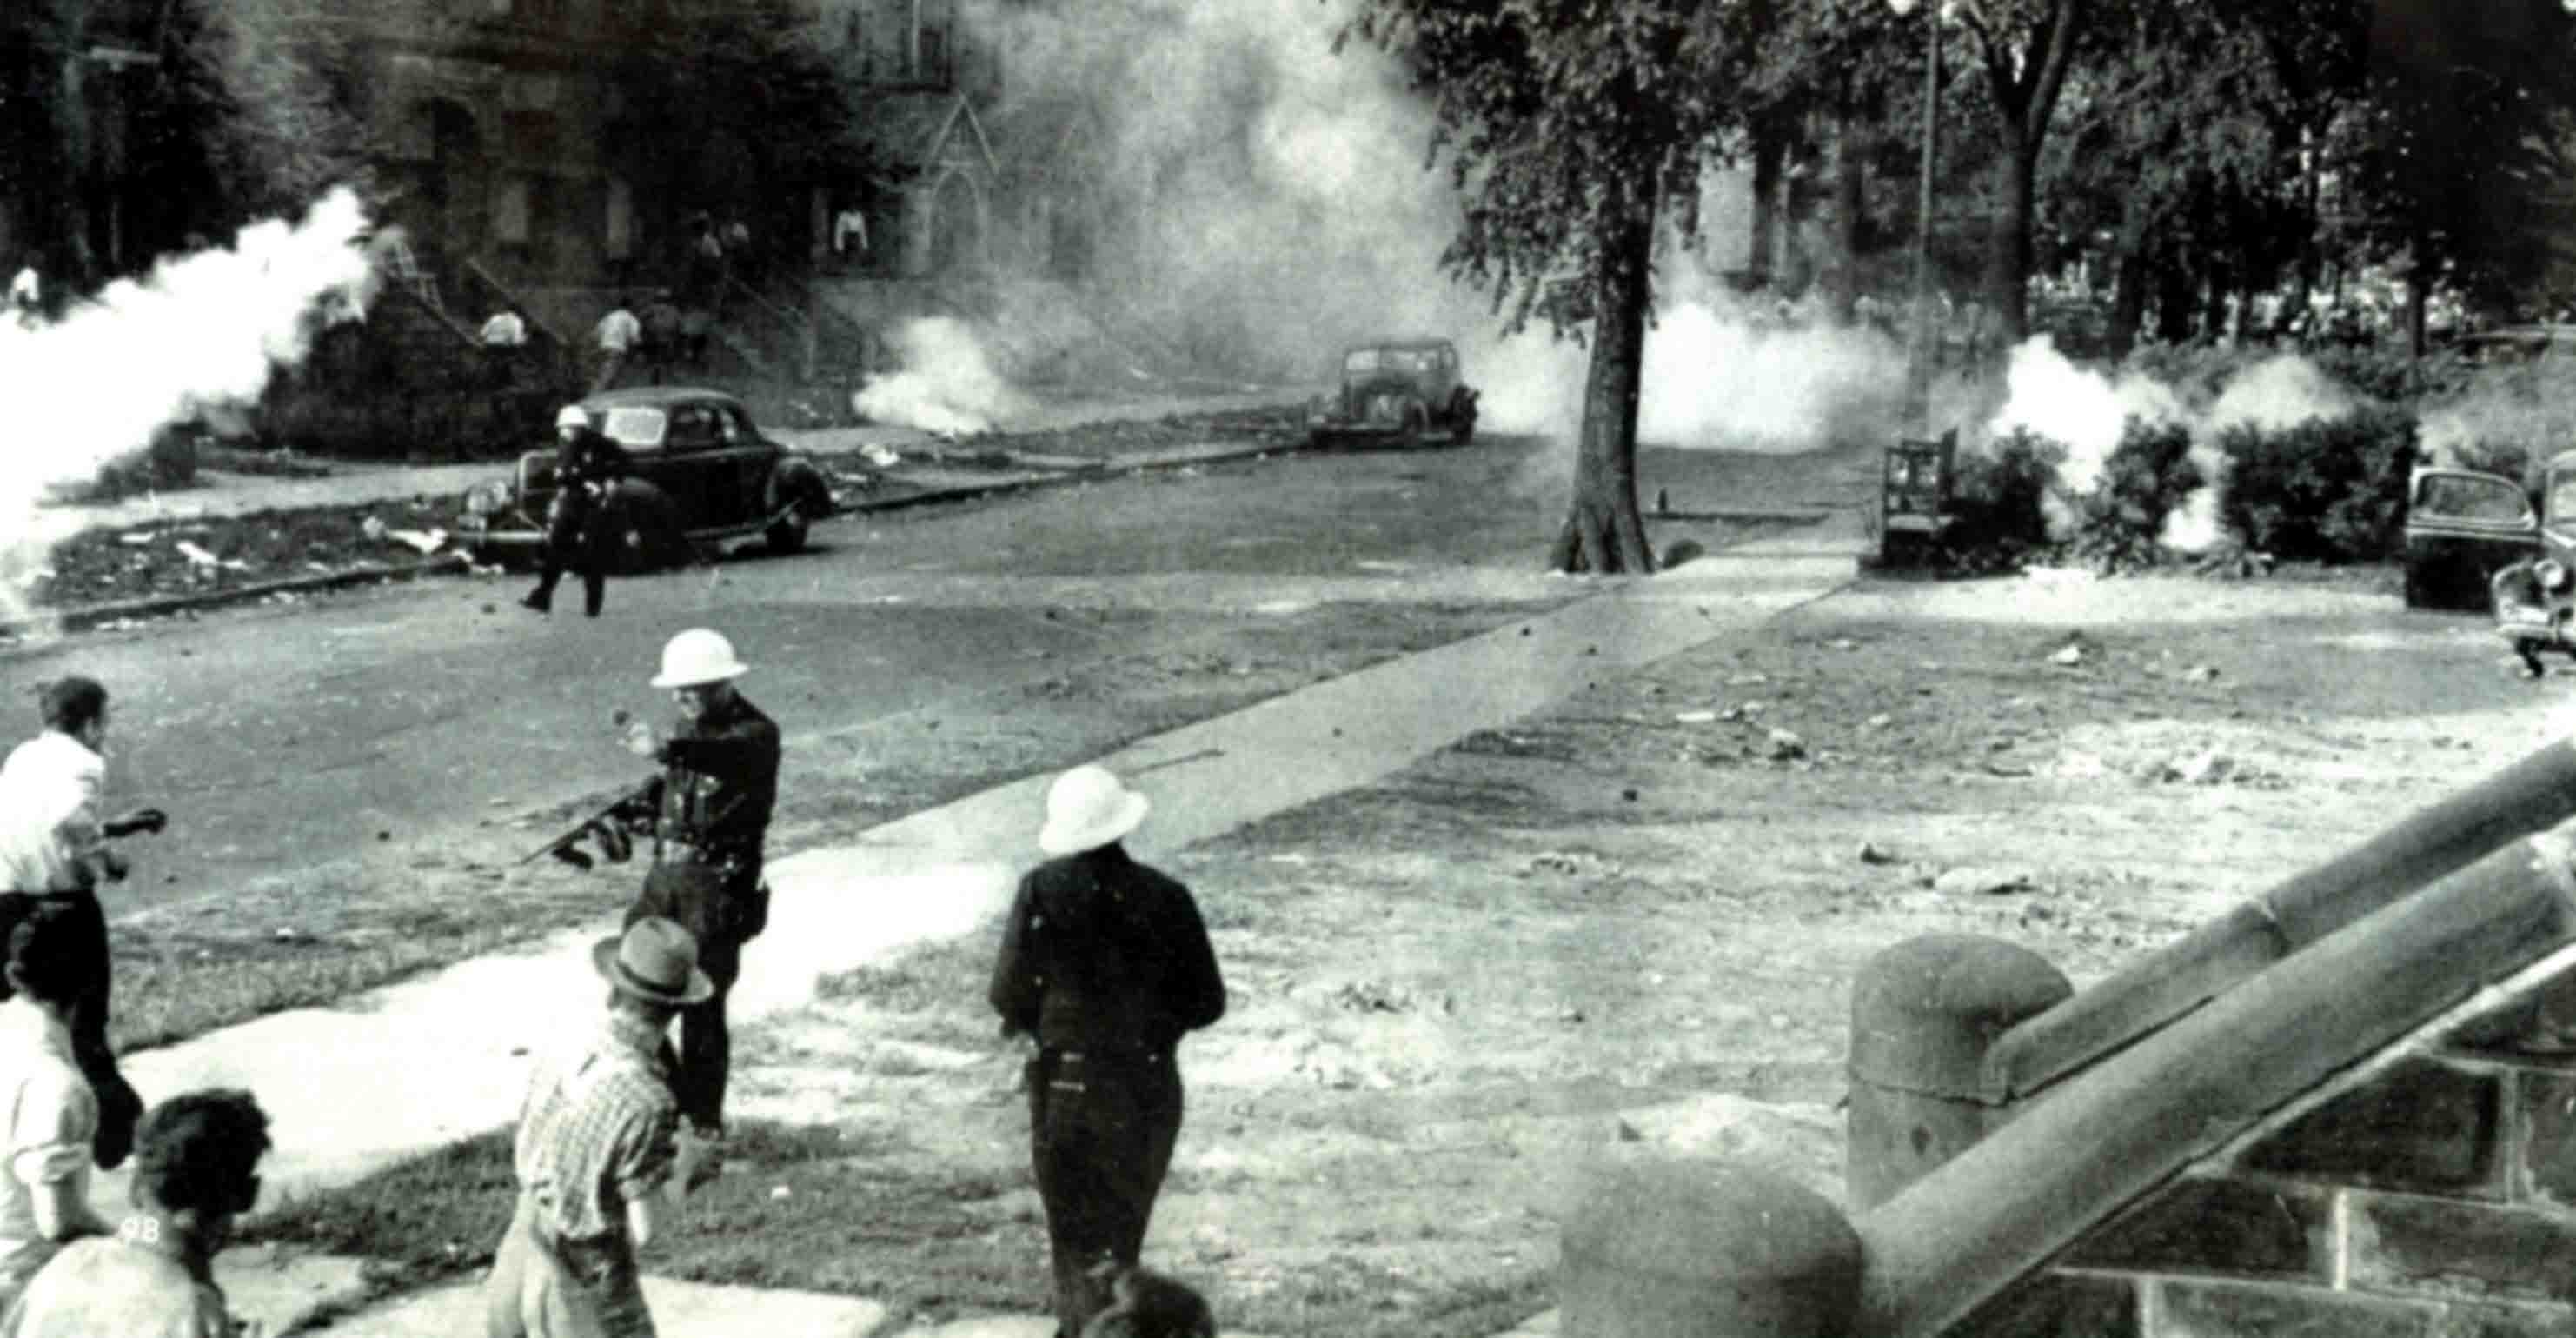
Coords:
pixel 612 837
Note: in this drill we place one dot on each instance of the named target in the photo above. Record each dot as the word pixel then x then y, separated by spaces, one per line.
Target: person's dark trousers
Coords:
pixel 119 1106
pixel 1101 1128
pixel 563 548
pixel 724 906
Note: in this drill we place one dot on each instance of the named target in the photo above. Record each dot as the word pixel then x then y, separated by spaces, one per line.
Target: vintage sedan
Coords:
pixel 702 473
pixel 2463 526
pixel 1402 389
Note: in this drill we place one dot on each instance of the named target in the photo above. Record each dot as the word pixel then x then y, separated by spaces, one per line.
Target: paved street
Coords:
pixel 279 736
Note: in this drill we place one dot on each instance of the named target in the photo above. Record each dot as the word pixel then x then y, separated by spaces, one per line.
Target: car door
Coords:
pixel 747 459
pixel 691 466
pixel 2462 526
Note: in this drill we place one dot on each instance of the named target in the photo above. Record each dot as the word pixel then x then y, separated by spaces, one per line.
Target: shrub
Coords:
pixel 2390 375
pixel 2331 490
pixel 2000 502
pixel 2145 479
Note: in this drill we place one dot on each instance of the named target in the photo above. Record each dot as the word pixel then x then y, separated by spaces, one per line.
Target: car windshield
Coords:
pixel 636 428
pixel 2562 496
pixel 2468 497
pixel 1361 360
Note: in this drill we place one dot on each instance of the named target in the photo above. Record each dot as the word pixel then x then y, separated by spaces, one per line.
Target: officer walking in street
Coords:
pixel 587 463
pixel 1106 963
pixel 708 813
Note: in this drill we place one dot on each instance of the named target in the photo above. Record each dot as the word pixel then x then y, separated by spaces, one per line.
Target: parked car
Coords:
pixel 702 471
pixel 2463 526
pixel 1404 389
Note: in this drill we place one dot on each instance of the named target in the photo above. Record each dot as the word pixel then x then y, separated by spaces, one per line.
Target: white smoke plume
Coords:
pixel 947 387
pixel 201 332
pixel 2086 411
pixel 1267 203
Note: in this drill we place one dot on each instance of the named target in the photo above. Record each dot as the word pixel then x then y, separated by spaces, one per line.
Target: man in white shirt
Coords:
pixel 51 1114
pixel 53 855
pixel 618 334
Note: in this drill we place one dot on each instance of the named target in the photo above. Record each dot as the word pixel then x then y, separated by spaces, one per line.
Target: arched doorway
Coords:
pixel 956 224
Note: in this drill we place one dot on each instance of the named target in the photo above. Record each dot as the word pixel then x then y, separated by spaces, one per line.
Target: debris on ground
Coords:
pixel 2071 653
pixel 1972 881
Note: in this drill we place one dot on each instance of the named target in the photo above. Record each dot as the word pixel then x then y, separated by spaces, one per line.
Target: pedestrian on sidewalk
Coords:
pixel 53 855
pixel 587 466
pixel 618 332
pixel 709 814
pixel 1106 963
pixel 598 1154
pixel 196 1168
pixel 52 1114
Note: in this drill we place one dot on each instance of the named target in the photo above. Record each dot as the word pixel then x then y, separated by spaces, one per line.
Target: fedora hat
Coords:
pixel 655 959
pixel 1087 807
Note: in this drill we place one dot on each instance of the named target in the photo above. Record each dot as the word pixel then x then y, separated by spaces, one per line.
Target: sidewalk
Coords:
pixel 384 1077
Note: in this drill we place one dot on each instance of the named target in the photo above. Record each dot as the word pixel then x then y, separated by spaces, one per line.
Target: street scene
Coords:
pixel 992 669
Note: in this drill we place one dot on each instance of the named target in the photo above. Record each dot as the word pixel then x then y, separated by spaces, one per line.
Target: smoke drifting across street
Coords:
pixel 1263 201
pixel 201 331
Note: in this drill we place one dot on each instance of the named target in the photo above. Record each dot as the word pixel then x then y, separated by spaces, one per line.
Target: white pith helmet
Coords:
pixel 571 416
pixel 1087 808
pixel 697 656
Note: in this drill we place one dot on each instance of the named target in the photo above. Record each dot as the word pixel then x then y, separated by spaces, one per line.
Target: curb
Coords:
pixel 90 616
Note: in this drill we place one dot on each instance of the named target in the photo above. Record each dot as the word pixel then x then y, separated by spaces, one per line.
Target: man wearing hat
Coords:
pixel 587 465
pixel 1106 963
pixel 708 813
pixel 598 1155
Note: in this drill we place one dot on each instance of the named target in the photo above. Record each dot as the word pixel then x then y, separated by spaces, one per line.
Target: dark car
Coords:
pixel 702 471
pixel 2463 526
pixel 1405 389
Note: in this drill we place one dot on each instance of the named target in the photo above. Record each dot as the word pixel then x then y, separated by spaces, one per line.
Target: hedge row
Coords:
pixel 2328 490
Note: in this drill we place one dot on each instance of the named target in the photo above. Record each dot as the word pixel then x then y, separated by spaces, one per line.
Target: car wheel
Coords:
pixel 788 534
pixel 1464 430
pixel 2417 596
pixel 1417 424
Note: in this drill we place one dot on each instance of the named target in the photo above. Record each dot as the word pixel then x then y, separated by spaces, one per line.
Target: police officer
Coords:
pixel 586 464
pixel 2531 600
pixel 1106 962
pixel 707 812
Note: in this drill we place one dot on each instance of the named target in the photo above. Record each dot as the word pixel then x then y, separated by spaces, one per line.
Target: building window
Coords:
pixel 621 220
pixel 934 55
pixel 510 211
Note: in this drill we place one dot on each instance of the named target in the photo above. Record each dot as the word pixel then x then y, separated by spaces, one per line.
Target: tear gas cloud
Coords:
pixel 1266 202
pixel 947 385
pixel 2086 411
pixel 199 333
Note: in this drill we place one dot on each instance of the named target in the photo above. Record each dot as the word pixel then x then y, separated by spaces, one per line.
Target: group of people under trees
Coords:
pixel 1104 965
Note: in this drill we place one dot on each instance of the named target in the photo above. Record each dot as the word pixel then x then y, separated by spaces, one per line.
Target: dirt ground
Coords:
pixel 1632 922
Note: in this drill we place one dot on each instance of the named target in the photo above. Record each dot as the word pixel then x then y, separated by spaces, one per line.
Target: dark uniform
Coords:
pixel 710 812
pixel 2528 614
pixel 585 467
pixel 1106 963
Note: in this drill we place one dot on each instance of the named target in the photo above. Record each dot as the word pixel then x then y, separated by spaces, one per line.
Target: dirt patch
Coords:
pixel 1631 923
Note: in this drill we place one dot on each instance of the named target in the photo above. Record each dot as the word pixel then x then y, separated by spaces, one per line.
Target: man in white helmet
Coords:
pixel 587 465
pixel 708 814
pixel 1106 963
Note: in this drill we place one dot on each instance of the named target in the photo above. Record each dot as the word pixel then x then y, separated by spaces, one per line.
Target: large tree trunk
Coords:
pixel 1603 532
pixel 1843 268
pixel 2008 273
pixel 1770 174
pixel 2128 303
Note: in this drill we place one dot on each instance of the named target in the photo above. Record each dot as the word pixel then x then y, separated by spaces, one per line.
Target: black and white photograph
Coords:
pixel 1288 668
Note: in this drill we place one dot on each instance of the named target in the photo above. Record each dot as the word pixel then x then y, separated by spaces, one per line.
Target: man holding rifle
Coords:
pixel 708 814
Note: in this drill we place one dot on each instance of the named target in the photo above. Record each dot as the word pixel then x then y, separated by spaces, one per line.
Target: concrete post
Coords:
pixel 1924 1013
pixel 1674 1248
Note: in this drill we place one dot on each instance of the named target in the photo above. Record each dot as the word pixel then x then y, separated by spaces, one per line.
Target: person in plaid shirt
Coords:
pixel 599 1154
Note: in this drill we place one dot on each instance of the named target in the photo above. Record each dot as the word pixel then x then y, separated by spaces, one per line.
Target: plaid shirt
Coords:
pixel 598 1131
